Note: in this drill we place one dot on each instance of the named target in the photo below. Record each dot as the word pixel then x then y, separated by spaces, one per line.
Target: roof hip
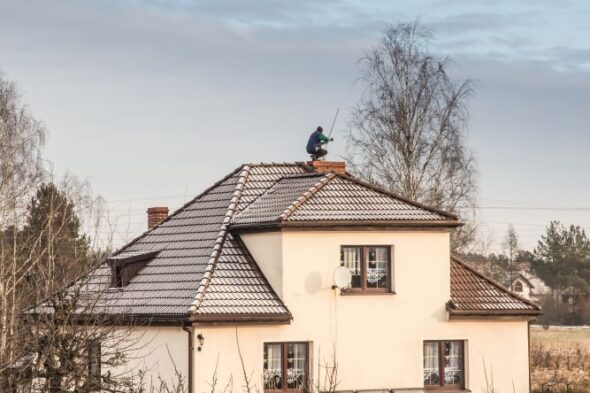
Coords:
pixel 308 194
pixel 206 279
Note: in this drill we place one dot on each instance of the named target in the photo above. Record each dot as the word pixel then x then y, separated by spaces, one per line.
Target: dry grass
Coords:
pixel 560 361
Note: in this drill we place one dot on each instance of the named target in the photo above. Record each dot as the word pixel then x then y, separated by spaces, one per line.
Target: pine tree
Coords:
pixel 562 260
pixel 57 245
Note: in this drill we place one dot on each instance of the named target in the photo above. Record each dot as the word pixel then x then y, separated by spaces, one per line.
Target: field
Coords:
pixel 560 360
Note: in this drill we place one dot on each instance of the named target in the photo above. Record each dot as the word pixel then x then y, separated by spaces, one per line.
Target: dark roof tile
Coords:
pixel 203 270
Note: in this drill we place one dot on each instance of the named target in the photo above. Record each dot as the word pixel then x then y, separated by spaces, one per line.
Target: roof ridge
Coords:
pixel 306 196
pixel 380 189
pixel 220 240
pixel 270 164
pixel 456 259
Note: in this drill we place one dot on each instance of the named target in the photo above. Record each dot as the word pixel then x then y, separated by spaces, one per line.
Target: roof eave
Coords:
pixel 137 320
pixel 458 315
pixel 247 319
pixel 343 224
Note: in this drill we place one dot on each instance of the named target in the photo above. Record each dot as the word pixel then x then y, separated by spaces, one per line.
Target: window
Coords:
pixel 518 286
pixel 117 275
pixel 285 366
pixel 94 355
pixel 370 267
pixel 444 364
pixel 125 266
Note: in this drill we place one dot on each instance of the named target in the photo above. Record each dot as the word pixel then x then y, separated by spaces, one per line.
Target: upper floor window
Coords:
pixel 286 366
pixel 518 286
pixel 444 365
pixel 370 267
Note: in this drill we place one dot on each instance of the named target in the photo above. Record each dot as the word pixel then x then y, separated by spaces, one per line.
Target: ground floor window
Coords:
pixel 444 364
pixel 285 366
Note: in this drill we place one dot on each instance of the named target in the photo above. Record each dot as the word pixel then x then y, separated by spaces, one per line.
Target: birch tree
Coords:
pixel 52 313
pixel 22 138
pixel 408 132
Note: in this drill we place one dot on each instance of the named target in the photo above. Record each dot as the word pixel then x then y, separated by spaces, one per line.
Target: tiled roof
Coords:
pixel 197 257
pixel 332 198
pixel 201 270
pixel 474 294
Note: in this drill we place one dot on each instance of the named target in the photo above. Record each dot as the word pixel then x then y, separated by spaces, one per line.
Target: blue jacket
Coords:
pixel 316 139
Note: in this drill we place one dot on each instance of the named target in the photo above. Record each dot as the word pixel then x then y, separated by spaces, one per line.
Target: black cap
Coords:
pixel 320 129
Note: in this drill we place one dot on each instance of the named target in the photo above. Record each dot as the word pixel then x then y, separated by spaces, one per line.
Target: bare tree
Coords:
pixel 55 332
pixel 22 138
pixel 409 130
pixel 67 339
pixel 511 247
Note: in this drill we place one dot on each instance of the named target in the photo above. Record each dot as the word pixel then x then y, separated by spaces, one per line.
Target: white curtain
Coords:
pixel 431 366
pixel 351 258
pixel 377 267
pixel 296 365
pixel 453 362
pixel 273 367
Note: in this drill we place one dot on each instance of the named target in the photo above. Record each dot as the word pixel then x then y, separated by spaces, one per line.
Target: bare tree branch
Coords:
pixel 409 130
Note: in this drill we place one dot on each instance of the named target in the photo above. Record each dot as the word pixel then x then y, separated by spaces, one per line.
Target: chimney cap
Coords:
pixel 157 209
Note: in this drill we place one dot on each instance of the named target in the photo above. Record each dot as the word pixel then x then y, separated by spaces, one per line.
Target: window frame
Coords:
pixel 284 355
pixel 364 290
pixel 441 367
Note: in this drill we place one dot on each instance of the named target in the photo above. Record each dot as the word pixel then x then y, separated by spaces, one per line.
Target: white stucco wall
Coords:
pixel 266 249
pixel 377 338
pixel 156 351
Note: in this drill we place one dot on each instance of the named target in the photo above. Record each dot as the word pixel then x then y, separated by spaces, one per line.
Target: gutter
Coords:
pixel 189 329
pixel 488 313
pixel 346 225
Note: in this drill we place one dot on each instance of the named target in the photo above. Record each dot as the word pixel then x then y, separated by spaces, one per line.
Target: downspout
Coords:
pixel 529 353
pixel 189 329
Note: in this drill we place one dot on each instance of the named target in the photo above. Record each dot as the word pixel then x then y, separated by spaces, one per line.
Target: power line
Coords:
pixel 576 208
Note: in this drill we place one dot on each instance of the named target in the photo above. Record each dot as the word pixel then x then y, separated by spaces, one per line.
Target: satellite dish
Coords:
pixel 342 277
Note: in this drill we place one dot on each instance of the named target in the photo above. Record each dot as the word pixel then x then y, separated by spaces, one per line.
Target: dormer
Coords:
pixel 126 265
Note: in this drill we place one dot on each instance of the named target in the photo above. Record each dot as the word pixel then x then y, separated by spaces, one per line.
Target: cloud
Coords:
pixel 166 88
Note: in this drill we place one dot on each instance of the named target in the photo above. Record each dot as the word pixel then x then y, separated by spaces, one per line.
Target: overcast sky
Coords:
pixel 152 101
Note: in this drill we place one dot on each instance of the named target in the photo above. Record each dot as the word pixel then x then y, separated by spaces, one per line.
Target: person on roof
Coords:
pixel 315 142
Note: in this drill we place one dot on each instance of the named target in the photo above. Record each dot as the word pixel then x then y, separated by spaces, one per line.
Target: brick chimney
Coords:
pixel 328 166
pixel 156 215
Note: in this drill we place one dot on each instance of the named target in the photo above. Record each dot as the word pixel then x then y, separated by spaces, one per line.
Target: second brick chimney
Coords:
pixel 328 166
pixel 156 215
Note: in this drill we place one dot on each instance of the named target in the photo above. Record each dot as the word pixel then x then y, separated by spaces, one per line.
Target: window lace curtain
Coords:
pixel 453 363
pixel 351 258
pixel 272 367
pixel 431 369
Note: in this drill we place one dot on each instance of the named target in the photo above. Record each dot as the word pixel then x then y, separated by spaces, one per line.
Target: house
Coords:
pixel 240 281
pixel 530 286
pixel 492 269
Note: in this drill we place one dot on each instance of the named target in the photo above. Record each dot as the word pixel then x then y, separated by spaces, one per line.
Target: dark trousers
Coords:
pixel 318 153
